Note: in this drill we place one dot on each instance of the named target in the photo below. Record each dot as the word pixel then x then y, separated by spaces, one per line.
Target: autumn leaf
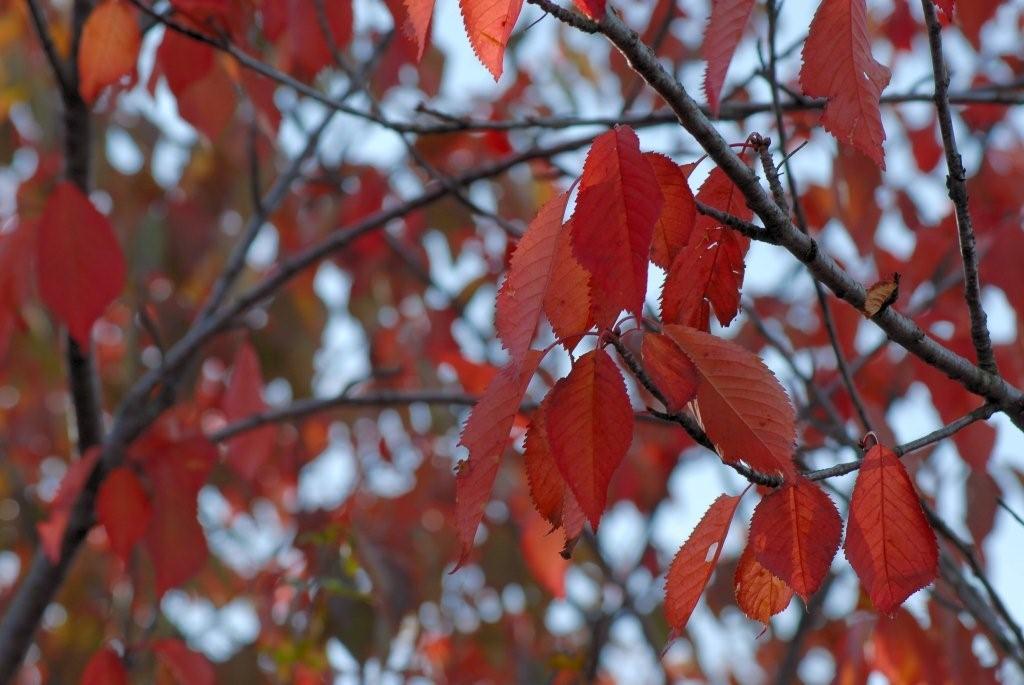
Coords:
pixel 174 539
pixel 486 436
pixel 741 405
pixel 79 266
pixel 124 510
pixel 693 564
pixel 567 306
pixel 305 39
pixel 520 301
pixel 182 61
pixel 711 267
pixel 17 244
pixel 109 47
pixel 540 547
pixel 104 668
pixel 795 533
pixel 888 540
pixel 617 208
pixel 184 666
pixel 678 214
pixel 243 398
pixel 489 25
pixel 760 594
pixel 590 426
pixel 419 14
pixel 838 65
pixel 725 28
pixel 671 370
pixel 594 9
pixel 51 531
pixel 546 485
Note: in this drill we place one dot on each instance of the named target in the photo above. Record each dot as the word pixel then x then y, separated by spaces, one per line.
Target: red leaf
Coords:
pixel 795 534
pixel 594 9
pixel 759 593
pixel 185 666
pixel 51 531
pixel 297 28
pixel 946 6
pixel 671 370
pixel 520 301
pixel 613 226
pixel 16 250
pixel 249 451
pixel 888 540
pixel 725 28
pixel 109 47
pixel 568 306
pixel 183 61
pixel 417 25
pixel 123 507
pixel 838 65
pixel 711 266
pixel 79 266
pixel 489 24
pixel 743 408
pixel 540 547
pixel 678 214
pixel 590 427
pixel 547 488
pixel 695 561
pixel 104 668
pixel 926 146
pixel 174 538
pixel 486 436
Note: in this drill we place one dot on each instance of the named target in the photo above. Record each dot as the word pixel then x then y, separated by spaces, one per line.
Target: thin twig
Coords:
pixel 956 183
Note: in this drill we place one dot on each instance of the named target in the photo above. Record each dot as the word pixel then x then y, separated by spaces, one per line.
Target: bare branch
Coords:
pixel 957 186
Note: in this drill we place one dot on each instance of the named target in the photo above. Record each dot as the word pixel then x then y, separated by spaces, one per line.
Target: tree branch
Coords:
pixel 957 186
pixel 897 327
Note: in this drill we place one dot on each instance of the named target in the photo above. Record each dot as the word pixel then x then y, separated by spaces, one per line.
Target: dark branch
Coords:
pixel 957 186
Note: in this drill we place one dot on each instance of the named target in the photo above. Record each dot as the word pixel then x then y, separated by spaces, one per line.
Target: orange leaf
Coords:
pixel 695 561
pixel 678 214
pixel 104 668
pixel 759 593
pixel 672 371
pixel 486 436
pixel 725 28
pixel 795 534
pixel 881 295
pixel 79 266
pixel 123 507
pixel 888 540
pixel 109 47
pixel 185 666
pixel 711 266
pixel 618 205
pixel 489 25
pixel 743 408
pixel 838 65
pixel 590 426
pixel 520 301
pixel 249 451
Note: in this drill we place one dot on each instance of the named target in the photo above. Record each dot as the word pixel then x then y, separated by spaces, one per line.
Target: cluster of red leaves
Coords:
pixel 582 429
